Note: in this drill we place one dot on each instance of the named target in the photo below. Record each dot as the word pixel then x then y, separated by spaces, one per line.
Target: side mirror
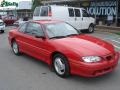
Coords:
pixel 38 36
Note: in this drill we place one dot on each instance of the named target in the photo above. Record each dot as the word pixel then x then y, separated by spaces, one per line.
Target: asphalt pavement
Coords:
pixel 26 73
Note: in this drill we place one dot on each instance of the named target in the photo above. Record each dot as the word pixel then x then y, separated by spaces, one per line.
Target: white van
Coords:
pixel 77 17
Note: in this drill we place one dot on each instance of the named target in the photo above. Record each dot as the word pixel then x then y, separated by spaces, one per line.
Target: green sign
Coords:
pixel 6 3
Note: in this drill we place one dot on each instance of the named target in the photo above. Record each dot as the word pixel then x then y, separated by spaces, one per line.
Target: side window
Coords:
pixel 37 11
pixel 44 11
pixel 34 29
pixel 71 12
pixel 85 14
pixel 22 28
pixel 77 13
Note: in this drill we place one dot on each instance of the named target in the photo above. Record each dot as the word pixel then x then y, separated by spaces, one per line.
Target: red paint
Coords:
pixel 73 48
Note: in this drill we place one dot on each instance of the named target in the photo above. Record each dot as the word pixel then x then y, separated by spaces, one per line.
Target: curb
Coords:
pixel 111 29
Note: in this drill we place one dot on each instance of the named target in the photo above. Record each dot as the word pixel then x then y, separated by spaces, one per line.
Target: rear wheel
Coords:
pixel 15 48
pixel 2 31
pixel 91 29
pixel 61 66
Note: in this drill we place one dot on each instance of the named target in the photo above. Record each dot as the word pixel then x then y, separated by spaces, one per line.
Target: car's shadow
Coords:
pixel 73 78
pixel 94 80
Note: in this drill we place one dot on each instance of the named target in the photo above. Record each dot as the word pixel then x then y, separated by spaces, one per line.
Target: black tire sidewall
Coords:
pixel 91 26
pixel 2 31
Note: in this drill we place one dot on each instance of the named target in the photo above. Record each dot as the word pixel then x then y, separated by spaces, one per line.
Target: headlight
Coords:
pixel 90 59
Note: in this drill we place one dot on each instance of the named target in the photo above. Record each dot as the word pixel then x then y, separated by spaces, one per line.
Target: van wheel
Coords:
pixel 15 48
pixel 61 66
pixel 2 31
pixel 91 29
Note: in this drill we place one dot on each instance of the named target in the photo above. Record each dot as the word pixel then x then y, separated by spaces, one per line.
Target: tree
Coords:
pixel 36 3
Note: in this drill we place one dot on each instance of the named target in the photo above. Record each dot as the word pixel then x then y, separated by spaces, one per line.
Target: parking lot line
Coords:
pixel 116 41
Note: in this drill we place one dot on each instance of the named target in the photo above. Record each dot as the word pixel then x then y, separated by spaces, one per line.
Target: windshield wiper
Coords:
pixel 72 35
pixel 58 37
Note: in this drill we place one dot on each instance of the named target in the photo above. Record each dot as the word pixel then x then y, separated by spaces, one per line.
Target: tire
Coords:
pixel 2 31
pixel 91 29
pixel 61 66
pixel 15 48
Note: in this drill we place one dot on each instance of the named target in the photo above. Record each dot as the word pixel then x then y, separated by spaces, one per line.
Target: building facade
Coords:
pixel 106 12
pixel 18 9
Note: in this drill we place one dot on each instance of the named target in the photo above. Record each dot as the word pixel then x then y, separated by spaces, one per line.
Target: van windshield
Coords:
pixel 60 30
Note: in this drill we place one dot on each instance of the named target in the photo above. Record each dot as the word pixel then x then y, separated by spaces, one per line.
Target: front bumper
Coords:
pixel 2 28
pixel 93 69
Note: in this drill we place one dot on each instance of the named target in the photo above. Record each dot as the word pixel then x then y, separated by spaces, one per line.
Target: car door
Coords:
pixel 71 17
pixel 85 19
pixel 75 17
pixel 78 18
pixel 21 37
pixel 36 45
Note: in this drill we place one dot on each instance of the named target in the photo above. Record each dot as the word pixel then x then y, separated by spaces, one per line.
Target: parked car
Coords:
pixel 2 26
pixel 61 46
pixel 78 17
pixel 19 22
pixel 9 20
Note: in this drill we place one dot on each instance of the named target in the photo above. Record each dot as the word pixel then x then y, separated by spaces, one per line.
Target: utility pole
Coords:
pixel 95 10
pixel 116 20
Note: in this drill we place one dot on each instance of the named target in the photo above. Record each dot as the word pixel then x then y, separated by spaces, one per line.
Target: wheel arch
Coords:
pixel 53 54
pixel 12 40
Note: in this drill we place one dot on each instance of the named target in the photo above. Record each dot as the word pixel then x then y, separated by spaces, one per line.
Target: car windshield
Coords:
pixel 60 30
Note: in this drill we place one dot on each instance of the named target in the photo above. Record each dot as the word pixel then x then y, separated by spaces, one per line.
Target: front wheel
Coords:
pixel 61 66
pixel 91 29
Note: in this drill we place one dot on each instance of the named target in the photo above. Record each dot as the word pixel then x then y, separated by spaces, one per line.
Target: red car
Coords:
pixel 62 47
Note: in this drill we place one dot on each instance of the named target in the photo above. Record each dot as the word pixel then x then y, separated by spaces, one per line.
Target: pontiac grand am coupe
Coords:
pixel 64 49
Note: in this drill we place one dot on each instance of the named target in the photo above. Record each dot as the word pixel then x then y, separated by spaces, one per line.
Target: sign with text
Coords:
pixel 6 3
pixel 104 8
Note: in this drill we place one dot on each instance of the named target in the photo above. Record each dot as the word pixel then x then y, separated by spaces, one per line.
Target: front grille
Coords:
pixel 110 57
pixel 1 23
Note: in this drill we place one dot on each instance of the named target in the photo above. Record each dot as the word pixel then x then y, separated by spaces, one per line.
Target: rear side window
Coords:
pixel 34 29
pixel 37 11
pixel 44 11
pixel 71 12
pixel 22 28
pixel 77 13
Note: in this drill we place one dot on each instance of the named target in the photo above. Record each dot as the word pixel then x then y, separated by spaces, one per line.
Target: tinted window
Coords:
pixel 34 29
pixel 85 14
pixel 37 11
pixel 71 12
pixel 77 12
pixel 44 11
pixel 23 27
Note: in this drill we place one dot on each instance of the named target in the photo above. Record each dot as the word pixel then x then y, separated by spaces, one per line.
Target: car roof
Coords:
pixel 47 21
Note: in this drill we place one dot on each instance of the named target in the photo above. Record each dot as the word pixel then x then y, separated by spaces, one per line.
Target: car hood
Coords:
pixel 85 45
